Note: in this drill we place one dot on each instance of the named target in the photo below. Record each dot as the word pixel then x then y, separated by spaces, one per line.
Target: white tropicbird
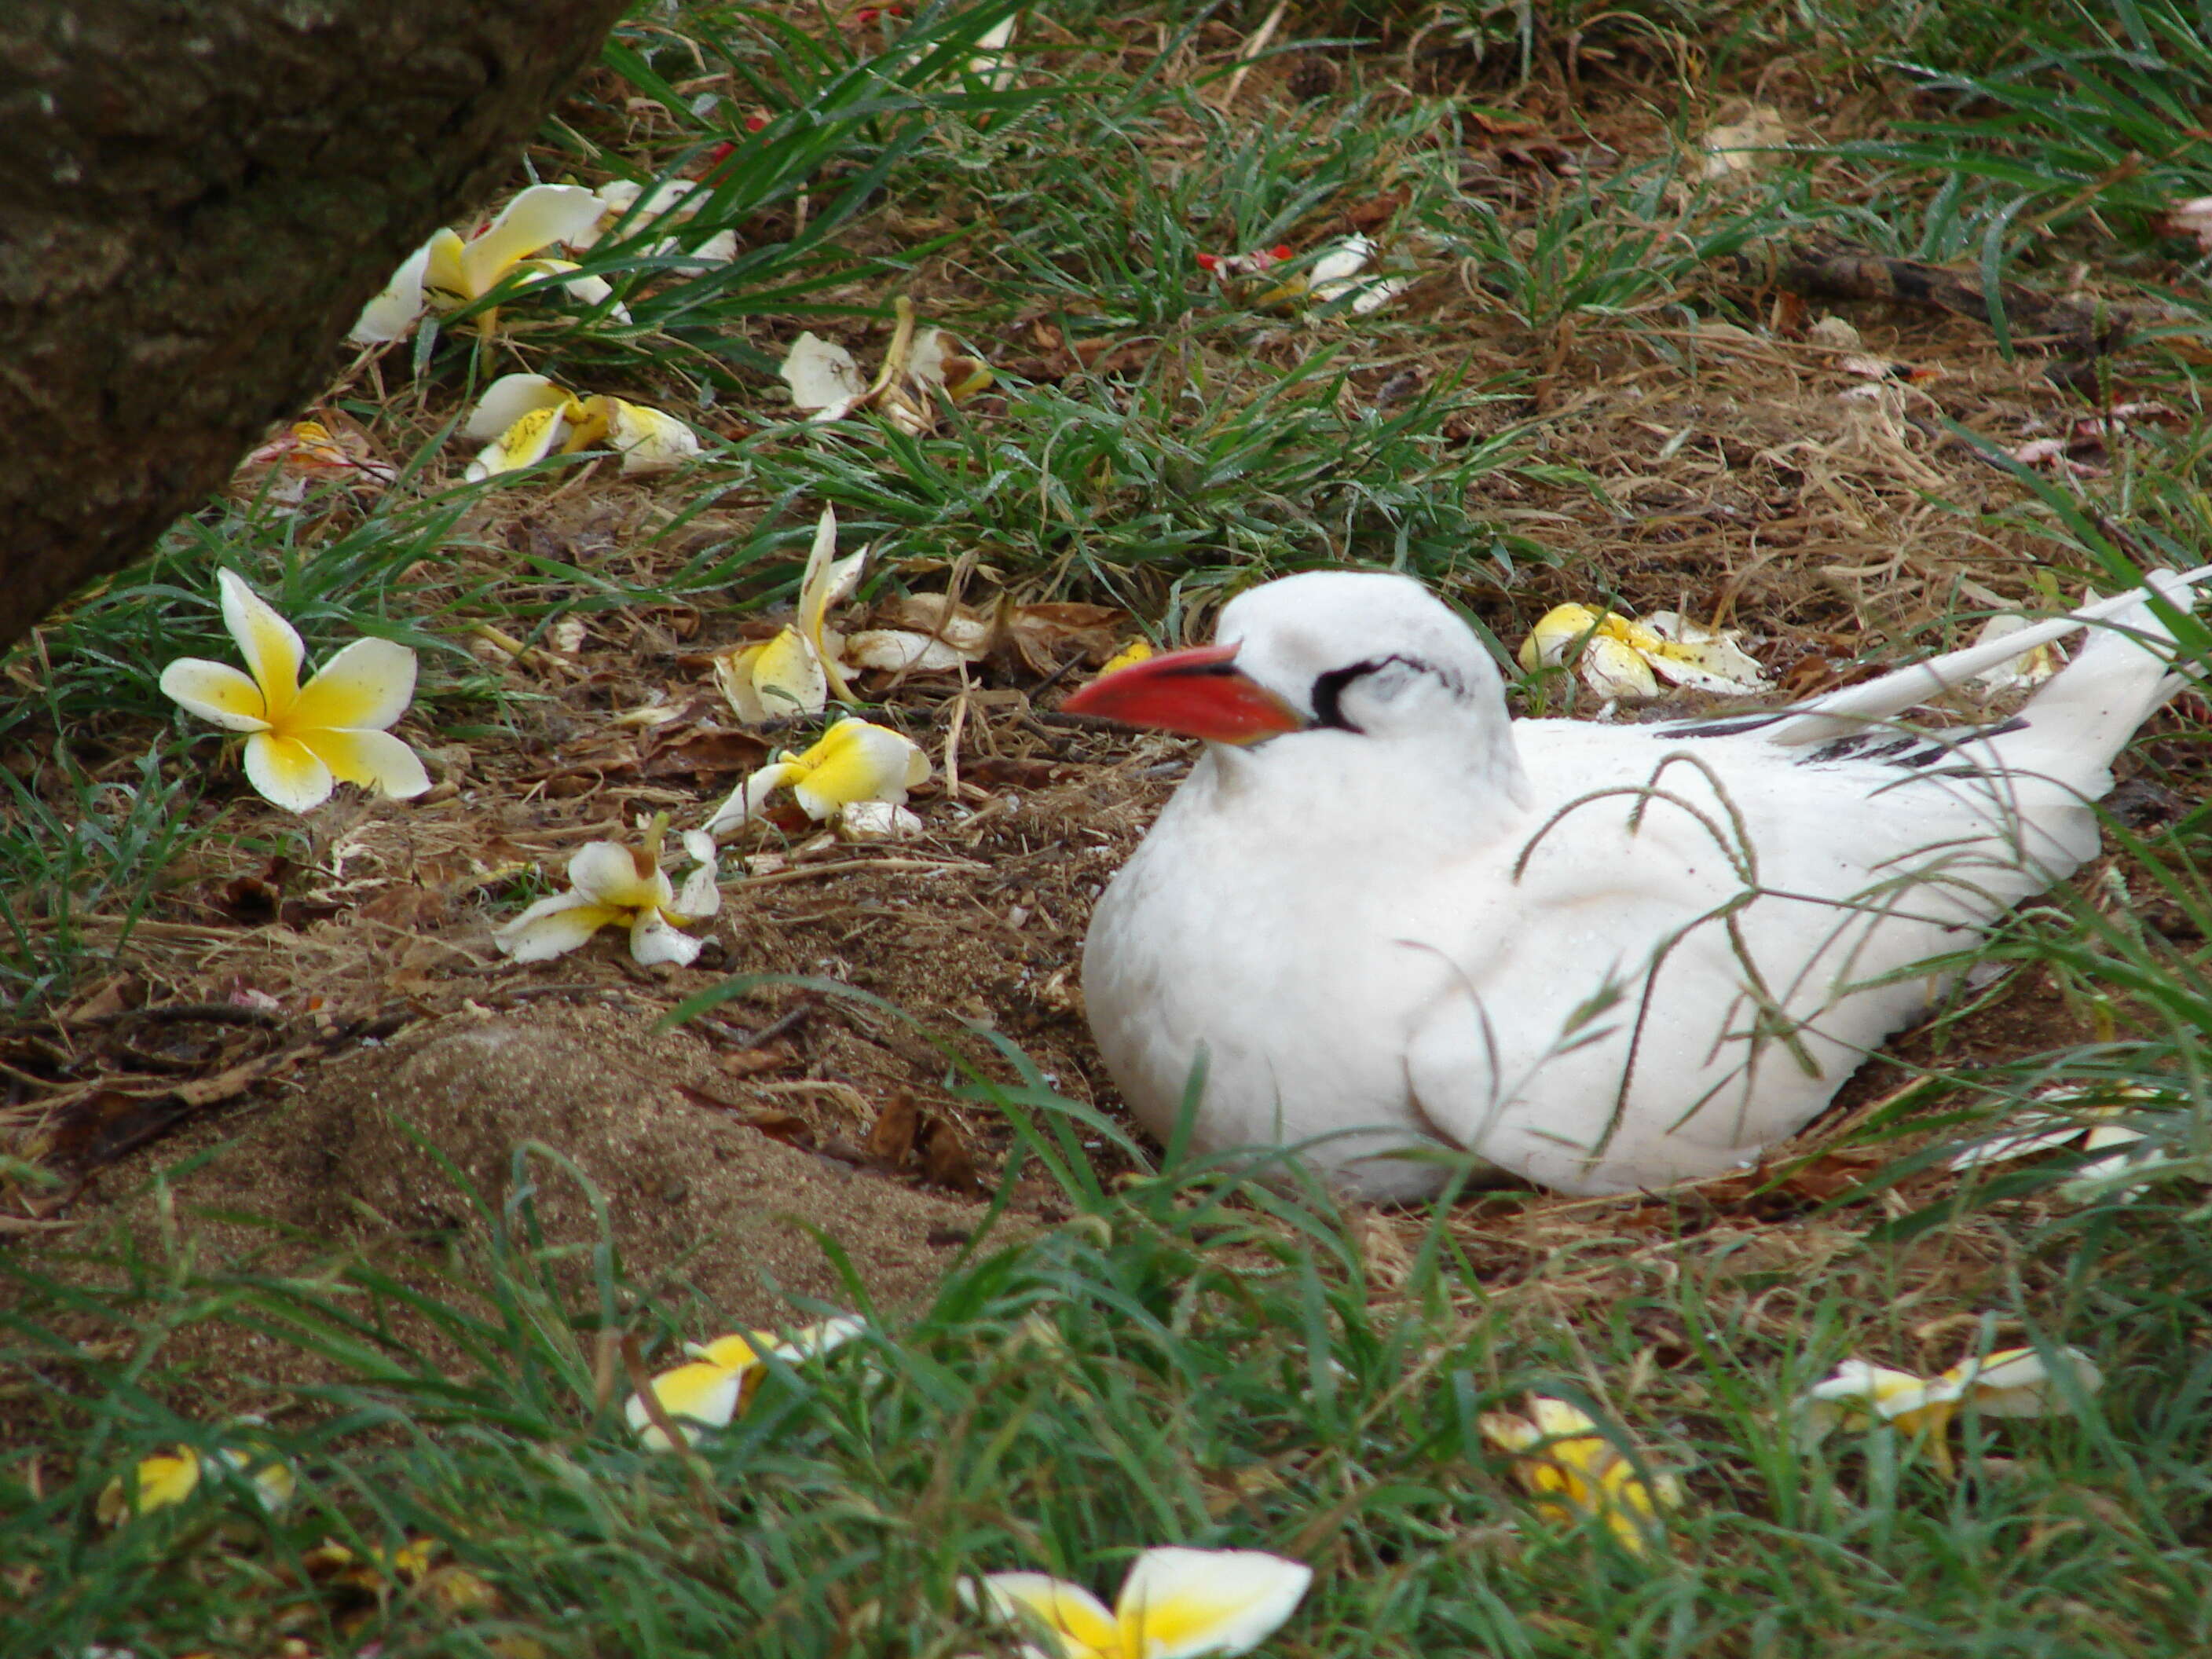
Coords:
pixel 1389 918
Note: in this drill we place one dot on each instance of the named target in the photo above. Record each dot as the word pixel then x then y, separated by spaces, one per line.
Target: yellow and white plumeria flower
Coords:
pixel 827 383
pixel 627 205
pixel 2115 1148
pixel 1341 272
pixel 528 417
pixel 1623 659
pixel 302 740
pixel 1572 1470
pixel 167 1479
pixel 1175 1604
pixel 449 272
pixel 796 672
pixel 719 1382
pixel 611 885
pixel 2011 1383
pixel 854 773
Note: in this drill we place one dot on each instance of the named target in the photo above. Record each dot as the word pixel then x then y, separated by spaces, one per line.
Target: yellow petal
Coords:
pixel 607 872
pixel 366 687
pixel 539 217
pixel 1068 1611
pixel 216 691
pixel 272 649
pixel 286 773
pixel 375 761
pixel 443 270
pixel 857 761
pixel 701 1392
pixel 553 926
pixel 530 440
pixel 1179 1603
pixel 649 440
pixel 1135 652
pixel 1573 1471
pixel 787 677
pixel 1612 668
pixel 163 1480
pixel 730 1352
pixel 508 399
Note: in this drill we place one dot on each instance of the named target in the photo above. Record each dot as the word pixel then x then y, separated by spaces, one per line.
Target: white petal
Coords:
pixel 900 652
pixel 821 372
pixel 1180 1603
pixel 649 441
pixel 508 399
pixel 538 217
pixel 553 926
pixel 652 940
pixel 876 820
pixel 750 799
pixel 700 893
pixel 216 691
pixel 606 872
pixel 394 311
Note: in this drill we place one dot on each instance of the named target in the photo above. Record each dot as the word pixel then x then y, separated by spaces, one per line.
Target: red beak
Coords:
pixel 1197 693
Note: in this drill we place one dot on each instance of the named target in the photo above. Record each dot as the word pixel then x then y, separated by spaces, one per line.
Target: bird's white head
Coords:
pixel 1329 657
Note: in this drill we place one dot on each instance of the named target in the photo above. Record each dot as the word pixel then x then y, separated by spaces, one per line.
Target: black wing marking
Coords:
pixel 1887 746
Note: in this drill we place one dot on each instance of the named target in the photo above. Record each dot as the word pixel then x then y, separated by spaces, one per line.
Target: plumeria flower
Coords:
pixel 1623 659
pixel 720 1380
pixel 627 205
pixel 2011 1383
pixel 1342 271
pixel 1175 1604
pixel 2115 1148
pixel 1574 1472
pixel 611 885
pixel 795 672
pixel 308 452
pixel 449 272
pixel 303 739
pixel 853 774
pixel 167 1479
pixel 828 383
pixel 528 417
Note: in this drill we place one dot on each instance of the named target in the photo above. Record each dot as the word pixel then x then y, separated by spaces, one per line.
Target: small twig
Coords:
pixel 679 1447
pixel 1250 50
pixel 806 871
pixel 179 1013
pixel 781 1026
pixel 952 730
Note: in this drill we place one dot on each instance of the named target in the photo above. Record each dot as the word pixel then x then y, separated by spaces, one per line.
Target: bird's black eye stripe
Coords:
pixel 1328 689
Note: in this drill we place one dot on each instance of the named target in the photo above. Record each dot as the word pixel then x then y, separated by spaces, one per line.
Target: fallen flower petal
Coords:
pixel 1176 1604
pixel 2013 1382
pixel 853 762
pixel 166 1479
pixel 528 417
pixel 722 1377
pixel 1574 1472
pixel 1623 659
pixel 449 271
pixel 796 672
pixel 302 740
pixel 2030 668
pixel 611 885
pixel 827 383
pixel 1745 146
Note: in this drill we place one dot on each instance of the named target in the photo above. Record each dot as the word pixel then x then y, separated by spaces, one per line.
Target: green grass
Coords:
pixel 1186 1361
